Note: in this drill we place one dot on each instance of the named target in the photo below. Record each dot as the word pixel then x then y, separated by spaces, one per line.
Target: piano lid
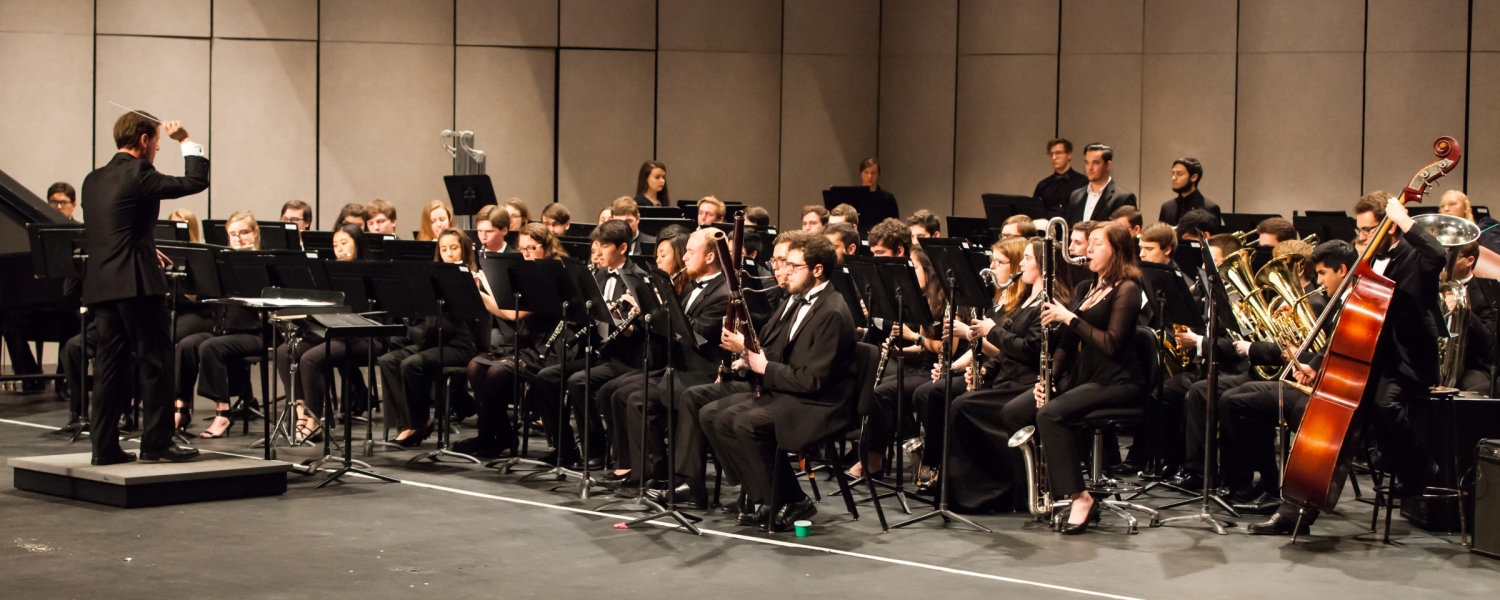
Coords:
pixel 18 207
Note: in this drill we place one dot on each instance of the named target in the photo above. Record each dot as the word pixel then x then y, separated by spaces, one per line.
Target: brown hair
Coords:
pixel 1129 213
pixel 935 289
pixel 520 206
pixel 926 220
pixel 758 216
pixel 424 230
pixel 66 189
pixel 640 182
pixel 551 246
pixel 717 203
pixel 1162 234
pixel 466 247
pixel 1125 263
pixel 131 126
pixel 890 233
pixel 1282 228
pixel 815 209
pixel 497 216
pixel 381 207
pixel 848 212
pixel 867 163
pixel 557 212
pixel 1067 145
pixel 1014 250
pixel 1373 202
pixel 1025 226
pixel 816 250
pixel 353 210
pixel 1296 246
pixel 624 206
pixel 848 236
pixel 1225 242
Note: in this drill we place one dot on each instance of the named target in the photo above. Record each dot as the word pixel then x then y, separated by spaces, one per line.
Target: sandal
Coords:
pixel 208 434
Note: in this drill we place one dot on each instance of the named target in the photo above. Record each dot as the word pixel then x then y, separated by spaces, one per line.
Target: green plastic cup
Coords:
pixel 804 528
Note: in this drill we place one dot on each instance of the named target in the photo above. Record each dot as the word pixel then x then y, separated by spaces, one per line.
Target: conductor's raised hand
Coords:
pixel 174 130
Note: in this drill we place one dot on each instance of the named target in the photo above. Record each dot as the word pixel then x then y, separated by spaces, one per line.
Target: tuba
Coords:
pixel 1451 232
pixel 1291 317
pixel 1251 313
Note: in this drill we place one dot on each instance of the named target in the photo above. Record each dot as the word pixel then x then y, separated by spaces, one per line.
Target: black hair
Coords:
pixel 1193 168
pixel 1334 254
pixel 613 232
pixel 1198 220
pixel 1109 153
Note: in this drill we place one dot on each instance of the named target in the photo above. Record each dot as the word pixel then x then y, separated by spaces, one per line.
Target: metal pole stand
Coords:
pixel 558 470
pixel 348 460
pixel 686 521
pixel 1210 431
pixel 444 428
pixel 641 502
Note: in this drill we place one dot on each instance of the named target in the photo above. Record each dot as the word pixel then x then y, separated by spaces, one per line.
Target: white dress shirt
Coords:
pixel 1093 199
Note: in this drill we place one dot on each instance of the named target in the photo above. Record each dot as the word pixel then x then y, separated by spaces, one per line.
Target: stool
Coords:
pixel 1455 493
pixel 1105 490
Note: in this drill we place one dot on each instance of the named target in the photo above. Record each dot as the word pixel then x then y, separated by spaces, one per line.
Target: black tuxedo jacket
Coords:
pixel 706 319
pixel 1484 307
pixel 628 349
pixel 1112 198
pixel 123 199
pixel 1174 209
pixel 642 244
pixel 1408 342
pixel 811 371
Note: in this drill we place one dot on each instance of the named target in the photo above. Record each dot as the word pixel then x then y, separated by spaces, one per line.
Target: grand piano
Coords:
pixel 32 309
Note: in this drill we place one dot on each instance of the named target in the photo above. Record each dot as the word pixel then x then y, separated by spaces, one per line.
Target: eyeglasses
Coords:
pixel 778 263
pixel 530 248
pixel 1366 231
pixel 60 203
pixel 794 266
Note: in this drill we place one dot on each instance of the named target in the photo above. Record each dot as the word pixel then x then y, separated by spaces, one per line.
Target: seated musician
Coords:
pixel 410 373
pixel 1483 296
pixel 520 214
pixel 814 218
pixel 64 199
pixel 1456 203
pixel 710 210
pixel 297 211
pixel 625 209
pixel 557 218
pixel 695 361
pixel 186 216
pixel 845 239
pixel 616 277
pixel 216 359
pixel 924 224
pixel 844 213
pixel 1020 226
pixel 805 377
pixel 1096 365
pixel 437 217
pixel 492 224
pixel 1275 230
pixel 892 239
pixel 491 374
pixel 1249 412
pixel 1405 364
pixel 380 217
pixel 1007 257
pixel 314 359
pixel 351 213
pixel 700 404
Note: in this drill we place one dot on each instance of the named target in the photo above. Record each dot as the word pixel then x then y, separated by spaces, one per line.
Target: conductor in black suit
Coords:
pixel 1097 200
pixel 1187 173
pixel 126 290
pixel 806 371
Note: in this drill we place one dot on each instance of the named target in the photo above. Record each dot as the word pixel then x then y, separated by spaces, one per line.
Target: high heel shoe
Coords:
pixel 208 434
pixel 1081 528
pixel 416 439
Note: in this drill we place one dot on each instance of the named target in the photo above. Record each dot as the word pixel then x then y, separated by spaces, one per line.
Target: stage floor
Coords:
pixel 461 531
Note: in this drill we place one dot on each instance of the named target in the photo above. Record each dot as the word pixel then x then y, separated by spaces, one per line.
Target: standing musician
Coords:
pixel 491 374
pixel 806 376
pixel 1101 197
pixel 1097 365
pixel 125 288
pixel 1055 190
pixel 704 301
pixel 1187 174
pixel 1405 364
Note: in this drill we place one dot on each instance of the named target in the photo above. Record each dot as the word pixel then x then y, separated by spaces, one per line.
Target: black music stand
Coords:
pixel 844 285
pixel 171 231
pixel 348 326
pixel 458 297
pixel 1333 225
pixel 351 278
pixel 999 207
pixel 278 235
pixel 409 250
pixel 1244 221
pixel 469 193
pixel 60 251
pixel 1189 256
pixel 650 311
pixel 320 242
pixel 664 212
pixel 976 230
pixel 652 227
pixel 676 330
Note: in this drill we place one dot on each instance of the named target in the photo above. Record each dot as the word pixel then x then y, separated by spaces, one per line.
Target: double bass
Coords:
pixel 1318 465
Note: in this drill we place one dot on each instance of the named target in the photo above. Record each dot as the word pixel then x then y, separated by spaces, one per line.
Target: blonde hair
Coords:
pixel 1464 198
pixel 245 215
pixel 187 216
pixel 424 232
pixel 1014 250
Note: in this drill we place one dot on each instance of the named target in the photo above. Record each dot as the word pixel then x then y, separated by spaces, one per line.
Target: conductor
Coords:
pixel 125 289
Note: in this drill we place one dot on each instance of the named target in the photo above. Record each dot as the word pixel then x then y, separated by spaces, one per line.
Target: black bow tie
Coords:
pixel 701 284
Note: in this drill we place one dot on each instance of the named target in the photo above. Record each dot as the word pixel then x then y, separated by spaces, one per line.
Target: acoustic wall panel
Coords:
pixel 608 24
pixel 1299 26
pixel 382 108
pixel 1008 26
pixel 1180 26
pixel 848 27
pixel 505 96
pixel 1100 101
pixel 187 18
pixel 918 27
pixel 828 114
pixel 1102 26
pixel 916 131
pixel 717 125
pixel 47 16
pixel 178 71
pixel 1003 127
pixel 266 19
pixel 1298 141
pixel 400 21
pixel 1483 144
pixel 507 22
pixel 720 25
pixel 1188 111
pixel 46 99
pixel 1420 25
pixel 265 121
pixel 604 120
pixel 1402 120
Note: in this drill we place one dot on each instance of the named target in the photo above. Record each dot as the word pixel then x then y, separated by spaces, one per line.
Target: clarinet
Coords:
pixel 977 348
pixel 885 351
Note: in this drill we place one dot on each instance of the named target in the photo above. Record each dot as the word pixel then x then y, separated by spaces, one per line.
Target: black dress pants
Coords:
pixel 495 380
pixel 316 362
pixel 880 429
pixel 697 409
pixel 1248 417
pixel 1195 418
pixel 217 363
pixel 549 385
pixel 132 326
pixel 928 401
pixel 1059 423
pixel 746 439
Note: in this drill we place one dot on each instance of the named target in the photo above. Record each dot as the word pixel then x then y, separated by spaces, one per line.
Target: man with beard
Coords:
pixel 1187 173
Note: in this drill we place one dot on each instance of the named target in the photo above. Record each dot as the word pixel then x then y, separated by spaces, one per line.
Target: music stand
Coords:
pixel 976 230
pixel 1244 221
pixel 652 227
pixel 375 243
pixel 844 285
pixel 278 235
pixel 171 231
pixel 469 193
pixel 60 251
pixel 999 207
pixel 320 242
pixel 663 212
pixel 1327 226
pixel 409 250
pixel 1189 256
pixel 214 232
pixel 458 297
pixel 349 326
pixel 650 308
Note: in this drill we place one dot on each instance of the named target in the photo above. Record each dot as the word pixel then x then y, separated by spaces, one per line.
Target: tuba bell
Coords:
pixel 1251 312
pixel 1293 316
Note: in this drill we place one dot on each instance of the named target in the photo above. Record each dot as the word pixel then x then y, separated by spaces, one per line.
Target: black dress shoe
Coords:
pixel 792 512
pixel 737 507
pixel 172 453
pixel 1264 504
pixel 1187 480
pixel 683 496
pixel 480 447
pixel 113 459
pixel 754 517
pixel 1278 524
pixel 1082 528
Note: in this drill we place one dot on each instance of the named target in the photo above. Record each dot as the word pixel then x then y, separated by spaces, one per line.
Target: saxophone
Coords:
pixel 1038 496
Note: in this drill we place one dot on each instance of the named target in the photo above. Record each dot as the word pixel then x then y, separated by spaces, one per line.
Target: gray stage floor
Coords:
pixel 460 531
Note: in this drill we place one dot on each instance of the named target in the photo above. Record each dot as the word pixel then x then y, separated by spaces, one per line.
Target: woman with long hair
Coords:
pixel 184 215
pixel 671 243
pixel 1094 359
pixel 651 185
pixel 492 374
pixel 437 217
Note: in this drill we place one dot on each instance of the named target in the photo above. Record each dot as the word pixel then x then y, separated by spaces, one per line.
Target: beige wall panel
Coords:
pixel 1483 146
pixel 1008 27
pixel 1187 115
pixel 1102 26
pixel 178 69
pixel 828 115
pixel 155 17
pixel 721 25
pixel 918 27
pixel 717 125
pixel 1486 25
pixel 402 21
pixel 1101 102
pixel 364 86
pixel 916 130
pixel 45 94
pixel 505 96
pixel 507 22
pixel 608 24
pixel 1402 120
pixel 833 27
pixel 1175 26
pixel 1298 140
pixel 1003 127
pixel 274 19
pixel 265 106
pixel 47 16
pixel 1420 25
pixel 1301 26
pixel 605 106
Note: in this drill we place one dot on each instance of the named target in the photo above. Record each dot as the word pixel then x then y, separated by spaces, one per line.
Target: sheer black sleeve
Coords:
pixel 1125 308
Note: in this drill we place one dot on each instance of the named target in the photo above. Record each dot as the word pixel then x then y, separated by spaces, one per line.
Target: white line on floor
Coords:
pixel 723 534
